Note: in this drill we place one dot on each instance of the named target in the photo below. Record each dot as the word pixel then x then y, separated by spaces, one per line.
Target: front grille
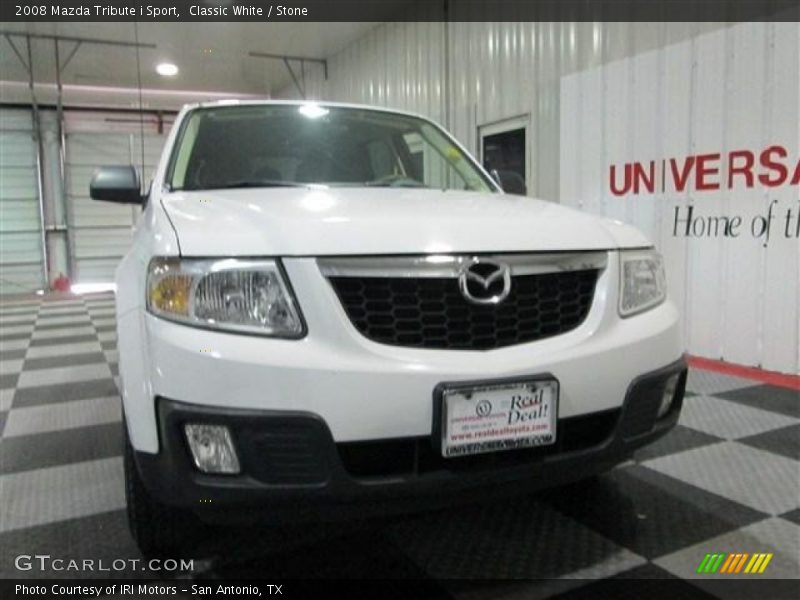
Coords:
pixel 431 312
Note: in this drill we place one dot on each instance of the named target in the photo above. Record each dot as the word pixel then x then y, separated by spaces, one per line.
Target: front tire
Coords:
pixel 159 531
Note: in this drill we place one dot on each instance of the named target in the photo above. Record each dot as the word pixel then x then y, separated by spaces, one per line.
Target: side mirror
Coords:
pixel 116 184
pixel 511 181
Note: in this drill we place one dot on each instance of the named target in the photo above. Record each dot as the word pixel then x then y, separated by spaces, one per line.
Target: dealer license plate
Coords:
pixel 493 417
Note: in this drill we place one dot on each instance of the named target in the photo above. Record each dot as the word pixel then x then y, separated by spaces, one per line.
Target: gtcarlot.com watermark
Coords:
pixel 48 563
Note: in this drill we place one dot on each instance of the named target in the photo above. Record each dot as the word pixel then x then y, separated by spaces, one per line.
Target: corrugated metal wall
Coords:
pixel 734 89
pixel 469 74
pixel 21 256
pixel 397 64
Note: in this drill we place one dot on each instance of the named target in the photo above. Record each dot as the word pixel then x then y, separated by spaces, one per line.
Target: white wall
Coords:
pixel 468 74
pixel 736 89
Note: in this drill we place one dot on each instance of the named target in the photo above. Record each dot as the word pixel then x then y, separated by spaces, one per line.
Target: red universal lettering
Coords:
pixel 648 180
pixel 744 169
pixel 705 170
pixel 681 178
pixel 626 186
pixel 796 176
pixel 779 172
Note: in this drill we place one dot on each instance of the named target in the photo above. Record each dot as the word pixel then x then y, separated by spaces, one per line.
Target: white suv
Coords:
pixel 332 311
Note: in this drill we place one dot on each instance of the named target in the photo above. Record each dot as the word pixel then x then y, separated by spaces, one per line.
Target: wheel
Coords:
pixel 160 531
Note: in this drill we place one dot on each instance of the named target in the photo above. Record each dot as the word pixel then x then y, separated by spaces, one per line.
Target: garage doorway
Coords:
pixel 504 147
pixel 100 233
pixel 21 255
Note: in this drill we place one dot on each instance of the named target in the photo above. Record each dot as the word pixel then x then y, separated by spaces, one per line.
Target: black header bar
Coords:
pixel 259 11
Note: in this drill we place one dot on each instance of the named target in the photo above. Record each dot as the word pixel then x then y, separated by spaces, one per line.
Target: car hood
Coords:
pixel 349 221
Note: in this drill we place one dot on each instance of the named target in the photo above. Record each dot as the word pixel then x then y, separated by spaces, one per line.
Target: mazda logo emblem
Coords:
pixel 485 281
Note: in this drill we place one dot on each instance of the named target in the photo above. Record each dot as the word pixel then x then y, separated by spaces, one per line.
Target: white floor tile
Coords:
pixel 755 478
pixel 107 336
pixel 729 420
pixel 61 349
pixel 8 367
pixel 774 535
pixel 37 377
pixel 6 396
pixel 14 344
pixel 15 329
pixel 62 415
pixel 709 382
pixel 75 320
pixel 65 332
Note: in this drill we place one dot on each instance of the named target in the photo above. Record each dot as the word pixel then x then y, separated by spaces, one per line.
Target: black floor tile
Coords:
pixel 38 451
pixel 9 337
pixel 58 341
pixel 67 360
pixel 78 312
pixel 645 582
pixel 767 397
pixel 513 538
pixel 793 516
pixel 21 321
pixel 9 380
pixel 64 392
pixel 290 554
pixel 103 536
pixel 12 354
pixel 648 512
pixel 679 439
pixel 784 441
pixel 45 326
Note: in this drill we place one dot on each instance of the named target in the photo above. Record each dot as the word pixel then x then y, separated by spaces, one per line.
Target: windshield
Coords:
pixel 291 145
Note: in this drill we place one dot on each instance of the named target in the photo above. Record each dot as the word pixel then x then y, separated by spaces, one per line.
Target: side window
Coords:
pixel 184 152
pixel 427 155
pixel 382 159
pixel 416 154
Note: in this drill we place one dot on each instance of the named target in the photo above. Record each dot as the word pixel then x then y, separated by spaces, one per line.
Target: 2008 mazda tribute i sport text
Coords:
pixel 333 311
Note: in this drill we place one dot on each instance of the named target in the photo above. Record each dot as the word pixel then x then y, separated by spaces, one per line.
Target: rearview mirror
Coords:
pixel 511 181
pixel 116 184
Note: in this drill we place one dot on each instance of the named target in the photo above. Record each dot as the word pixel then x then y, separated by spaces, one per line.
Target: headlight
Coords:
pixel 642 281
pixel 247 296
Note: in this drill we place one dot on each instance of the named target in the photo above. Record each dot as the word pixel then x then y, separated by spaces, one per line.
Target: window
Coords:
pixel 289 145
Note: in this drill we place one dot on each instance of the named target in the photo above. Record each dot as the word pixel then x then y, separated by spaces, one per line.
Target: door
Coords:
pixel 21 256
pixel 504 147
pixel 100 233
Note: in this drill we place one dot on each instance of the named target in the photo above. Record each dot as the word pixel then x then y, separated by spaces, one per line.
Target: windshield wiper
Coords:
pixel 395 181
pixel 250 183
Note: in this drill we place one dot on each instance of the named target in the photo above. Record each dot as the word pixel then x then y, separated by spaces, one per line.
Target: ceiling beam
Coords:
pixel 287 57
pixel 81 40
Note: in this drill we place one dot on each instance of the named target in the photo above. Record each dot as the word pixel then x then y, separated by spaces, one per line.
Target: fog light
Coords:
pixel 669 394
pixel 212 448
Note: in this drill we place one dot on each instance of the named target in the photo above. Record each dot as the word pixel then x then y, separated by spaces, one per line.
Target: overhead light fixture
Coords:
pixel 312 111
pixel 167 69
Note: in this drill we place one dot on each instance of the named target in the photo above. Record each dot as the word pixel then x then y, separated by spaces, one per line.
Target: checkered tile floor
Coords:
pixel 725 480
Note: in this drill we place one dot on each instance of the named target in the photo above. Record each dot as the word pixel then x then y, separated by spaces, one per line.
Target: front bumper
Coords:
pixel 364 390
pixel 293 470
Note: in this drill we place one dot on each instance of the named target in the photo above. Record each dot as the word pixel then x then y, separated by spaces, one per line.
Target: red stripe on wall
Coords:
pixel 783 380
